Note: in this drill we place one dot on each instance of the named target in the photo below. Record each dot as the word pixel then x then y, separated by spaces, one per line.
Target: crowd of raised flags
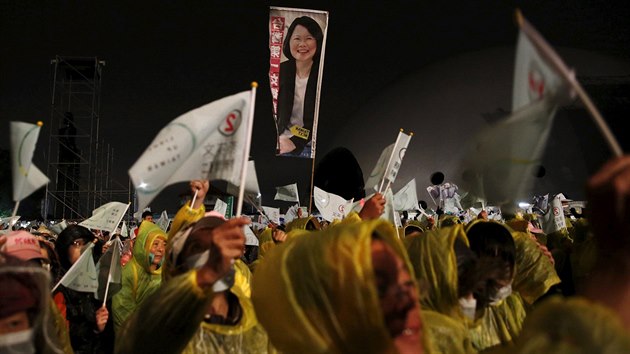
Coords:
pixel 213 142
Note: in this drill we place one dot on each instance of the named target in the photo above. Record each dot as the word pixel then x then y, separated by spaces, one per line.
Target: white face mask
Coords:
pixel 468 306
pixel 17 342
pixel 501 294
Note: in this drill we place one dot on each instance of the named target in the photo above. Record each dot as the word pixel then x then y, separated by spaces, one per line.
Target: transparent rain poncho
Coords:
pixel 316 293
pixel 49 333
pixel 172 319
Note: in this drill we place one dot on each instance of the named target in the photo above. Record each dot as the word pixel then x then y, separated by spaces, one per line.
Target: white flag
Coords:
pixel 163 221
pixel 251 182
pixel 407 197
pixel 330 206
pixel 533 77
pixel 554 219
pixel 82 275
pixel 501 159
pixel 388 163
pixel 292 213
pixel 250 236
pixel 124 230
pixel 220 207
pixel 273 214
pixel 109 271
pixel 288 193
pixel 106 217
pixel 206 143
pixel 389 213
pixel 27 178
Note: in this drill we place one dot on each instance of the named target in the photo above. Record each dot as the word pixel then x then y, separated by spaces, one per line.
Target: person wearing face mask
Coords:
pixel 86 318
pixel 501 311
pixel 298 86
pixel 142 275
pixel 346 289
pixel 26 319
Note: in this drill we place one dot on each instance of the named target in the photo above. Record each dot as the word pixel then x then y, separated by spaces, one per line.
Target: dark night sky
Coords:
pixel 167 57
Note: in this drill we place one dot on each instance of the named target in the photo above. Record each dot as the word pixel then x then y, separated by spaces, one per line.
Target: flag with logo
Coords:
pixel 82 275
pixel 252 189
pixel 163 221
pixel 27 178
pixel 109 271
pixel 288 193
pixel 106 217
pixel 208 143
pixel 330 206
pixel 388 163
pixel 553 220
pixel 501 159
pixel 407 197
pixel 533 77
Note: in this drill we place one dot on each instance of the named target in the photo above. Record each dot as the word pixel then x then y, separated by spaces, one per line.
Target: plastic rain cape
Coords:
pixel 316 293
pixel 138 281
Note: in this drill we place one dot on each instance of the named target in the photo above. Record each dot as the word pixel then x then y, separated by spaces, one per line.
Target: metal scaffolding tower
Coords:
pixel 80 163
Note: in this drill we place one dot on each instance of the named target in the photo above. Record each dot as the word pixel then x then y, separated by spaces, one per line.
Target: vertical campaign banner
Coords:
pixel 297 43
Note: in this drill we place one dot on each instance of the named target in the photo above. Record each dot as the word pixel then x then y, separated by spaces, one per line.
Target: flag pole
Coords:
pixel 248 142
pixel 552 58
pixel 194 198
pixel 310 191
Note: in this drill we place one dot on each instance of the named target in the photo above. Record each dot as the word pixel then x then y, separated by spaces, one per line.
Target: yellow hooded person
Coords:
pixel 346 289
pixel 142 275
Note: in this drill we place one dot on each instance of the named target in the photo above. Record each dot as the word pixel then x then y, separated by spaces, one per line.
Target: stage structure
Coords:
pixel 80 162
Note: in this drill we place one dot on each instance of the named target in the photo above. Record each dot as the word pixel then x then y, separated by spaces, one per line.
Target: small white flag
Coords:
pixel 163 221
pixel 250 236
pixel 124 230
pixel 220 207
pixel 407 197
pixel 389 213
pixel 554 219
pixel 106 217
pixel 82 275
pixel 330 206
pixel 273 214
pixel 388 163
pixel 110 271
pixel 288 193
pixel 205 143
pixel 27 178
pixel 291 214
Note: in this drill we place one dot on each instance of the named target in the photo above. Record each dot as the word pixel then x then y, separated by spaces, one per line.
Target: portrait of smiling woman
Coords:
pixel 298 93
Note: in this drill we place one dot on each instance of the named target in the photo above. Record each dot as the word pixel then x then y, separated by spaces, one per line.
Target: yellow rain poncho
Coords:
pixel 570 326
pixel 435 264
pixel 172 321
pixel 316 293
pixel 138 280
pixel 534 273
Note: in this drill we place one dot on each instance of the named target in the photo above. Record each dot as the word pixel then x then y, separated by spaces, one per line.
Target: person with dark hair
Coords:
pixel 85 317
pixel 298 86
pixel 146 216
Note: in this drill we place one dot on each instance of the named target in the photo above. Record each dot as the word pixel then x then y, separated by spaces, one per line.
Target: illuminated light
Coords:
pixel 524 205
pixel 143 185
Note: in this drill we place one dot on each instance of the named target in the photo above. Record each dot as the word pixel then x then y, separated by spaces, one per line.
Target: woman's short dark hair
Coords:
pixel 313 28
pixel 65 240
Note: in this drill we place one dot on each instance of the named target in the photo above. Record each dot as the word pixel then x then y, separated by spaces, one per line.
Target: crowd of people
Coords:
pixel 357 285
